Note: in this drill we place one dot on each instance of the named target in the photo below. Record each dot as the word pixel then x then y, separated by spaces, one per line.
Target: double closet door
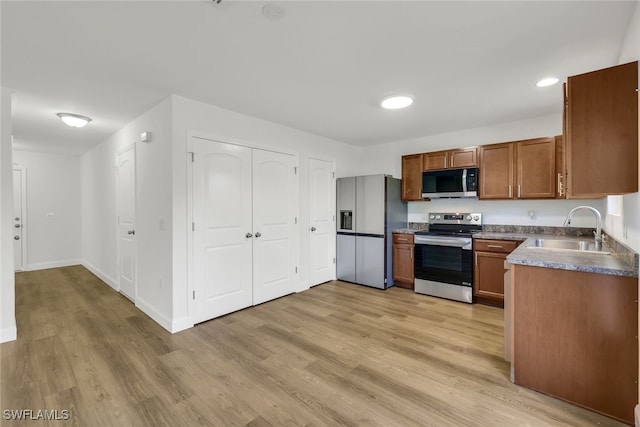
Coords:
pixel 244 209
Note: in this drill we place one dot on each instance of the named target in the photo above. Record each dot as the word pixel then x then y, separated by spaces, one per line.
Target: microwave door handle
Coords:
pixel 464 180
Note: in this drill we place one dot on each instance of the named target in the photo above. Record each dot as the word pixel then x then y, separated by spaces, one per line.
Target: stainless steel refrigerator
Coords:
pixel 369 208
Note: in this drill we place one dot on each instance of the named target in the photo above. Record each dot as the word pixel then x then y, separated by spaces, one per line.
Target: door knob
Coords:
pixel 248 235
pixel 258 234
pixel 313 229
pixel 131 232
pixel 16 237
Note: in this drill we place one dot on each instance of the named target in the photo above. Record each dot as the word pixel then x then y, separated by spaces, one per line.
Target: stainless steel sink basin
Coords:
pixel 571 245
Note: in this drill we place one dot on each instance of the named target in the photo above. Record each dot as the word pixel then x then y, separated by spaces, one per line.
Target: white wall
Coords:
pixel 52 186
pixel 98 211
pixel 551 213
pixel 153 204
pixel 215 122
pixel 386 158
pixel 8 331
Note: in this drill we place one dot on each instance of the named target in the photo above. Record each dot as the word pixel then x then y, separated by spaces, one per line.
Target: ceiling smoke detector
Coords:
pixel 272 12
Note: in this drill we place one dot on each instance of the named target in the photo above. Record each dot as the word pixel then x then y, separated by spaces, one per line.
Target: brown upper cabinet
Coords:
pixel 601 132
pixel 412 177
pixel 458 158
pixel 518 170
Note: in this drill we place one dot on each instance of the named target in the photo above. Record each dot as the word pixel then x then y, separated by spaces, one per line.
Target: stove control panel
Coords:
pixel 455 218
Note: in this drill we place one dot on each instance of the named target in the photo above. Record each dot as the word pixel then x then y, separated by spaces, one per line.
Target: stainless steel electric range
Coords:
pixel 444 257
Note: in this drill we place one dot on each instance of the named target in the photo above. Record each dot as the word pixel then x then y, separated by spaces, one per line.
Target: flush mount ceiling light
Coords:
pixel 396 102
pixel 74 120
pixel 549 81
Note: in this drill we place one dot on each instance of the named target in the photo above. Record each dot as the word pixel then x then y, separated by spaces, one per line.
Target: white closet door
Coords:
pixel 322 199
pixel 274 215
pixel 126 172
pixel 222 229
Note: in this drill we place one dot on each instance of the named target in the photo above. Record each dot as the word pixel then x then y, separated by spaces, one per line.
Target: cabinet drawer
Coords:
pixel 504 246
pixel 406 239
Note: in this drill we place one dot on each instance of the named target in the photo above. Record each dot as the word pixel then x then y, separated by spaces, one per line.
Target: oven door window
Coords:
pixel 444 264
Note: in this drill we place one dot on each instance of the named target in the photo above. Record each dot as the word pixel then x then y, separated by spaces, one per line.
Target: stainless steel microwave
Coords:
pixel 450 183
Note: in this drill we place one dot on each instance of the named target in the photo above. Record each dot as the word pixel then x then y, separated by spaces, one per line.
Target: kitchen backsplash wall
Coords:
pixel 512 212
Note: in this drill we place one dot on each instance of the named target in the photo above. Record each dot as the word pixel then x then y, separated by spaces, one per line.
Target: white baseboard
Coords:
pixel 52 264
pixel 9 333
pixel 181 324
pixel 102 276
pixel 170 325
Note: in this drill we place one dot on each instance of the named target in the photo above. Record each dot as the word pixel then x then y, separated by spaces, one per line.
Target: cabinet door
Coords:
pixel 496 171
pixel 561 178
pixel 489 275
pixel 403 260
pixel 463 157
pixel 602 132
pixel 536 168
pixel 403 266
pixel 412 177
pixel 436 160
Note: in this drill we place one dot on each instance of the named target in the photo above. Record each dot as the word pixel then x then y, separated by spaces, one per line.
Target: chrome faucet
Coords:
pixel 597 233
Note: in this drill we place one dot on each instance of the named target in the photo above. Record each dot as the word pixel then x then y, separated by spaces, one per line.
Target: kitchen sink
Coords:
pixel 571 245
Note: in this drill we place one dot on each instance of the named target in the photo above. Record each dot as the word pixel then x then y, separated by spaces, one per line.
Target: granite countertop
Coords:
pixel 621 262
pixel 404 231
pixel 616 263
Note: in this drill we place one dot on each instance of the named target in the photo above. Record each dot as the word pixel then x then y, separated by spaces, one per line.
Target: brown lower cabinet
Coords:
pixel 488 280
pixel 575 337
pixel 403 260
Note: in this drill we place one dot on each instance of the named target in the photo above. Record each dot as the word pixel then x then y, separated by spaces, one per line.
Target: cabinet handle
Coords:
pixel 411 251
pixel 402 240
pixel 560 185
pixel 476 254
pixel 446 162
pixel 519 191
pixel 509 190
pixel 495 246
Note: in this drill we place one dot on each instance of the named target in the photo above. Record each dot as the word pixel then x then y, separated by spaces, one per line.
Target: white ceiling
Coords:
pixel 322 67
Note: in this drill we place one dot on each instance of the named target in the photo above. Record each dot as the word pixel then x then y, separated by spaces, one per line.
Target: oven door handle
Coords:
pixel 439 241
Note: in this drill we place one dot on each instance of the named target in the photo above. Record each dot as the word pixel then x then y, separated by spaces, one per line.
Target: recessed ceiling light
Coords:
pixel 74 120
pixel 396 102
pixel 549 81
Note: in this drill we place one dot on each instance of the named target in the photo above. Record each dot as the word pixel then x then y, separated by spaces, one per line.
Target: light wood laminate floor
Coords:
pixel 337 354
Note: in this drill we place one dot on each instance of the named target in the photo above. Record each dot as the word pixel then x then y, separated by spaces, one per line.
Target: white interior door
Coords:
pixel 126 173
pixel 222 236
pixel 322 198
pixel 274 225
pixel 18 220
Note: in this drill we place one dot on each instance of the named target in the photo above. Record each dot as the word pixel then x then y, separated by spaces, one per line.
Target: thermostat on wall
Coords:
pixel 145 136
